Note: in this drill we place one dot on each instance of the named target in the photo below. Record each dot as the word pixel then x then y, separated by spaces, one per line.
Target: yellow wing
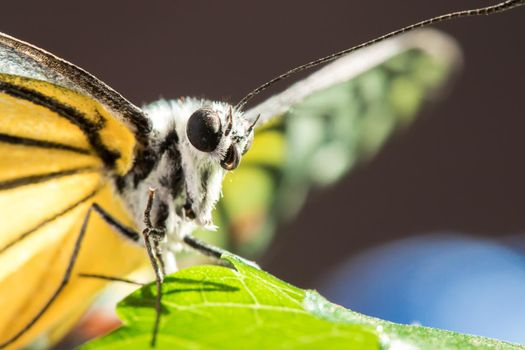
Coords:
pixel 58 150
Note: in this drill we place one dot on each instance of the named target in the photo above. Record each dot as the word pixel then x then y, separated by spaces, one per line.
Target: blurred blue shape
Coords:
pixel 447 281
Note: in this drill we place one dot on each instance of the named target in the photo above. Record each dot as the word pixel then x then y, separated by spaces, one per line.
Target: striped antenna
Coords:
pixel 489 10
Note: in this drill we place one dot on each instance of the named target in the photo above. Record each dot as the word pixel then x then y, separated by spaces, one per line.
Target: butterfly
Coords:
pixel 77 161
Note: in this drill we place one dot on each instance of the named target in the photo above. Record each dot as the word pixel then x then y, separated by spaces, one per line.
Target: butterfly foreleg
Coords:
pixel 203 247
pixel 121 229
pixel 212 251
pixel 110 278
pixel 152 239
pixel 118 227
pixel 155 236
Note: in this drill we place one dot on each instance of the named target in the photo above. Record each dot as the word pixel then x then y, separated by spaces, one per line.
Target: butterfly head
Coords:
pixel 216 136
pixel 222 133
pixel 199 141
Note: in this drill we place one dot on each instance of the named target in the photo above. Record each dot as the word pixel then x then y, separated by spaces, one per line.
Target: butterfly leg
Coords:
pixel 154 235
pixel 116 225
pixel 120 229
pixel 110 278
pixel 152 238
pixel 210 250
pixel 157 235
pixel 203 247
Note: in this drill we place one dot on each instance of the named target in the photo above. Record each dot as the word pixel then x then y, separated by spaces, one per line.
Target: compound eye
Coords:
pixel 204 129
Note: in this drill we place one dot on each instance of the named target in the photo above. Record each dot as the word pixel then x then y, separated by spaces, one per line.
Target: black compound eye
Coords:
pixel 231 159
pixel 204 129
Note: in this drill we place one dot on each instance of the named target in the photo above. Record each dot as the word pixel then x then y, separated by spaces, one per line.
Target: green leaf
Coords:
pixel 214 307
pixel 405 337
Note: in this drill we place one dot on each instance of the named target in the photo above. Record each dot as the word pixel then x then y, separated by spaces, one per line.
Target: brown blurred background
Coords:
pixel 459 167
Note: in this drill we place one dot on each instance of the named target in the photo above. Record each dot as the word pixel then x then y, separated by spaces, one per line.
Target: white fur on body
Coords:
pixel 166 116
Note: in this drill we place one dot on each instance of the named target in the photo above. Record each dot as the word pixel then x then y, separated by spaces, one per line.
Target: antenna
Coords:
pixel 489 10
